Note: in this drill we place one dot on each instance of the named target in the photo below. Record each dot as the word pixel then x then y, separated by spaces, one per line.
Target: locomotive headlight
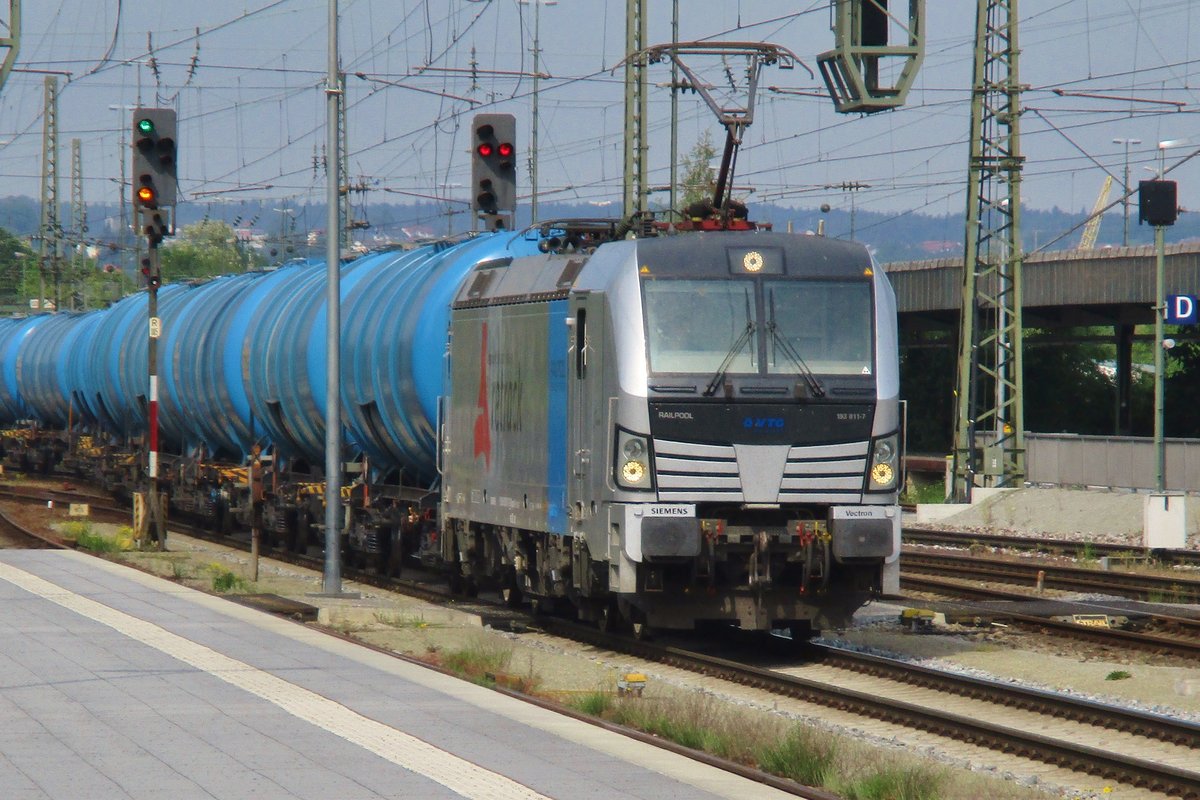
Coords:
pixel 633 472
pixel 633 461
pixel 883 471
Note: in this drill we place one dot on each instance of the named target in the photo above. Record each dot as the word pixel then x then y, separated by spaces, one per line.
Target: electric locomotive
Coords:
pixel 674 430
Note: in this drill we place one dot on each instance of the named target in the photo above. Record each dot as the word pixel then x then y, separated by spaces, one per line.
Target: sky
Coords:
pixel 247 78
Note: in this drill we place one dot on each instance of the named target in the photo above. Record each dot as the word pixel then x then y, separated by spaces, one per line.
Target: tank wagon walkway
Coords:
pixel 117 684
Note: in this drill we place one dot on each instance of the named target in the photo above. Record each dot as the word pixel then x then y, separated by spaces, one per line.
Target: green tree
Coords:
pixel 699 177
pixel 16 258
pixel 204 250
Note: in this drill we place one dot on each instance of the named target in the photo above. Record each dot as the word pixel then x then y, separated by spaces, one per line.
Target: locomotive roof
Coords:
pixel 718 254
pixel 705 255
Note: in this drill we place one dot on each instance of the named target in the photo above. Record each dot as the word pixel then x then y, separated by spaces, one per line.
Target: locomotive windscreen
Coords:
pixel 758 326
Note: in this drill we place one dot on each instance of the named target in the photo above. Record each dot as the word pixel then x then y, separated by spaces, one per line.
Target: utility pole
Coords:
pixel 533 131
pixel 674 108
pixel 636 148
pixel 990 395
pixel 332 584
pixel 50 249
pixel 11 43
pixel 852 187
pixel 1125 187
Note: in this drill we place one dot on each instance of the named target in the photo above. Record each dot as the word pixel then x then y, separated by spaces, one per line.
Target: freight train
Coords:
pixel 657 432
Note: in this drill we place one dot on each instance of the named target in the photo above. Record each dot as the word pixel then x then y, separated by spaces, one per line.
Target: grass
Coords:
pixel 225 581
pixel 915 491
pixel 1087 553
pixel 803 755
pixel 485 661
pixel 1118 675
pixel 86 538
pixel 791 750
pixel 893 782
pixel 414 621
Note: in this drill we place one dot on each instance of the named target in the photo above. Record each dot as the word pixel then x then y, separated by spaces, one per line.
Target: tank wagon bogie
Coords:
pixel 660 432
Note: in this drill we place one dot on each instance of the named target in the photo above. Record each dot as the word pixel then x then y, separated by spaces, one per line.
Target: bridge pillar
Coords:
pixel 1123 425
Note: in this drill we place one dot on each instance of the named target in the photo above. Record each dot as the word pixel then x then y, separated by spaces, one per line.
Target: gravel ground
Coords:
pixel 562 670
pixel 1079 515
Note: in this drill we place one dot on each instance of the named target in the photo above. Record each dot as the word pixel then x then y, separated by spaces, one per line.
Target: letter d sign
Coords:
pixel 1181 309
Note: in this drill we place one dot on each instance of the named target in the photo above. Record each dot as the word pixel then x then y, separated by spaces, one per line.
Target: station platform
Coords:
pixel 117 684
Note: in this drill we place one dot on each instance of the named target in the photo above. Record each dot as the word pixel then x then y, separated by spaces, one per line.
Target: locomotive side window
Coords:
pixel 581 343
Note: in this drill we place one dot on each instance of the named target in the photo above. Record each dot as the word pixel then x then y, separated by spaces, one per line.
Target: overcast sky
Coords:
pixel 248 89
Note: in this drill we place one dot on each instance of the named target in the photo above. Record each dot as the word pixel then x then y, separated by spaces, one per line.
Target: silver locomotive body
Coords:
pixel 674 430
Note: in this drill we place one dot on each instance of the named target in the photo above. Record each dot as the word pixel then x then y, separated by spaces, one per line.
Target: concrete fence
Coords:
pixel 1117 462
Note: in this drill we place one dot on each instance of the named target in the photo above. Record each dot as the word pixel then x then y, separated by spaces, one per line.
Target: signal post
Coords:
pixel 155 183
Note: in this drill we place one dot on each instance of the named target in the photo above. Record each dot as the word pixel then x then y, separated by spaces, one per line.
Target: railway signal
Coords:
pixel 155 181
pixel 155 186
pixel 493 166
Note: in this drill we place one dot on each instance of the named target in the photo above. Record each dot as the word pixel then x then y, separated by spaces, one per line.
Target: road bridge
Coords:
pixel 1111 287
pixel 1064 288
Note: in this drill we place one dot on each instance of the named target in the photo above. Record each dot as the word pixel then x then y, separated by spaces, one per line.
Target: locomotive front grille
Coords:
pixel 810 474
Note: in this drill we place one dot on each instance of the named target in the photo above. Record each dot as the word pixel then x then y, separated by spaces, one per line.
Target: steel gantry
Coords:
pixel 876 54
pixel 989 446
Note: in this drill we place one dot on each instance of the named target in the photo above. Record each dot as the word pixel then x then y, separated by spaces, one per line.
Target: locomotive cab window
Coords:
pixel 759 325
pixel 694 326
pixel 828 323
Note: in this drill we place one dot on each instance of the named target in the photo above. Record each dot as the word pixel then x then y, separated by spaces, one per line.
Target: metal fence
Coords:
pixel 1117 462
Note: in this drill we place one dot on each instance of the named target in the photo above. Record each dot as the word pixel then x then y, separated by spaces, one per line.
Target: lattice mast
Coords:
pixel 635 187
pixel 989 443
pixel 79 227
pixel 10 40
pixel 50 230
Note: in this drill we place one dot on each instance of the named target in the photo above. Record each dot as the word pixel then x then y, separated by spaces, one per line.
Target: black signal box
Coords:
pixel 1157 202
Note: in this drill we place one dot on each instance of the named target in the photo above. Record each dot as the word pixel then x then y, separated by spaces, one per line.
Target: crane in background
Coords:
pixel 1087 240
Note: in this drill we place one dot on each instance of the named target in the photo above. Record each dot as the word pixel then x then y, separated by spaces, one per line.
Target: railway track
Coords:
pixel 1108 742
pixel 1134 585
pixel 1051 546
pixel 15 535
pixel 1136 748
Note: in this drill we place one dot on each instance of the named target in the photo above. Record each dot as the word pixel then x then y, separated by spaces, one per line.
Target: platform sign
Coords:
pixel 1182 309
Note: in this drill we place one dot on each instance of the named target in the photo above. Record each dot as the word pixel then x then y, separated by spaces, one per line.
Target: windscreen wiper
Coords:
pixel 814 385
pixel 747 333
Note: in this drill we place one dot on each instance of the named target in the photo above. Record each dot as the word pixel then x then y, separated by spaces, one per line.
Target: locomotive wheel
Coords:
pixel 510 591
pixel 298 535
pixel 608 618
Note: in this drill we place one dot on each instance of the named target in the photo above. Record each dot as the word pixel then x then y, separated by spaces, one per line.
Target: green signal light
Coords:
pixel 145 126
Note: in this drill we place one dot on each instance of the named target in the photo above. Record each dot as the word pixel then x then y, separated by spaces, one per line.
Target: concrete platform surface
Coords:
pixel 116 684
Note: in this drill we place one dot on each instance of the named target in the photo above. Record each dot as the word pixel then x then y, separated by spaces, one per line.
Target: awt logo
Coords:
pixel 763 423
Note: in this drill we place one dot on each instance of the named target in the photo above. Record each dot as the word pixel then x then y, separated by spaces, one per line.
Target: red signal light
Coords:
pixel 485 149
pixel 505 149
